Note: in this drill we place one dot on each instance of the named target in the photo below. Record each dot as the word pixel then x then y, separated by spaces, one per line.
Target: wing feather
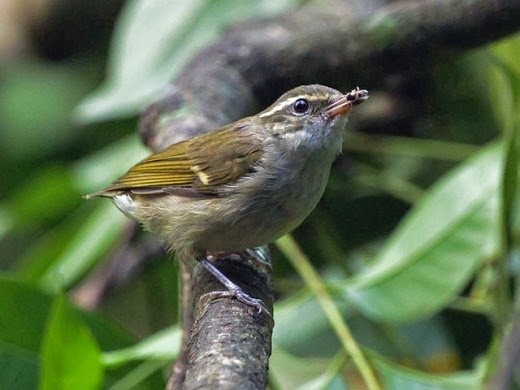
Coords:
pixel 203 163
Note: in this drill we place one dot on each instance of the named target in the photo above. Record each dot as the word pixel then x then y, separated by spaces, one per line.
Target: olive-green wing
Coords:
pixel 202 164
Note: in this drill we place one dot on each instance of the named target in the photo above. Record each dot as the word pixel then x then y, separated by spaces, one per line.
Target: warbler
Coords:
pixel 243 185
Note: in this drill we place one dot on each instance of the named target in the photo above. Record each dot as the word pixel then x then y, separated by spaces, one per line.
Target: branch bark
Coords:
pixel 226 344
pixel 338 43
pixel 230 342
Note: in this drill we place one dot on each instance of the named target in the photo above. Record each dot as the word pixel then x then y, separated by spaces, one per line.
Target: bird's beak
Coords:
pixel 343 105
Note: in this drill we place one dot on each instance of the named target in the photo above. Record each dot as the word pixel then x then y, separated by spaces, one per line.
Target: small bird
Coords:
pixel 243 185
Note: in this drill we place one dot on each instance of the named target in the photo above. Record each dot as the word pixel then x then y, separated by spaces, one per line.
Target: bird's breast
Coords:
pixel 287 188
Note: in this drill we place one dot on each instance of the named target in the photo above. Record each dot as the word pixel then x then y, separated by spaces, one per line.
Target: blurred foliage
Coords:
pixel 417 238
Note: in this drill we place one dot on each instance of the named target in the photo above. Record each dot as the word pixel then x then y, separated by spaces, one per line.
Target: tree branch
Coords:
pixel 230 343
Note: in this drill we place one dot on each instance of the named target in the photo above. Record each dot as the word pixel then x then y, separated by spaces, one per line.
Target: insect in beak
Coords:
pixel 346 102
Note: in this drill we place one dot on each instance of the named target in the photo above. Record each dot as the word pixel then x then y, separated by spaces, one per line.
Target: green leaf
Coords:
pixel 23 315
pixel 153 39
pixel 64 254
pixel 7 219
pixel 99 169
pixel 71 358
pixel 24 312
pixel 290 372
pixel 17 369
pixel 134 378
pixel 326 380
pixel 36 100
pixel 85 248
pixel 292 334
pixel 163 346
pixel 511 133
pixel 507 52
pixel 395 376
pixel 435 251
pixel 151 27
pixel 510 186
pixel 49 193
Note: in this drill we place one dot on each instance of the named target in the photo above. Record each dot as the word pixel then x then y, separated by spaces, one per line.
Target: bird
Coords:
pixel 243 185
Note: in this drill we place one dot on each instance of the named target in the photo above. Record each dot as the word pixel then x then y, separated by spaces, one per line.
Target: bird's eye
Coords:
pixel 301 106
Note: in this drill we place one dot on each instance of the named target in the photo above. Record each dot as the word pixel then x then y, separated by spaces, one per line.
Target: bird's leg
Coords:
pixel 234 290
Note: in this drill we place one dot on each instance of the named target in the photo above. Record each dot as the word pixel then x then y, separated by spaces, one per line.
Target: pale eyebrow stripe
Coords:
pixel 283 105
pixel 280 107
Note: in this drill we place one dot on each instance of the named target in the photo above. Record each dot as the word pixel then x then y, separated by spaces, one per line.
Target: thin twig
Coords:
pixel 303 266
